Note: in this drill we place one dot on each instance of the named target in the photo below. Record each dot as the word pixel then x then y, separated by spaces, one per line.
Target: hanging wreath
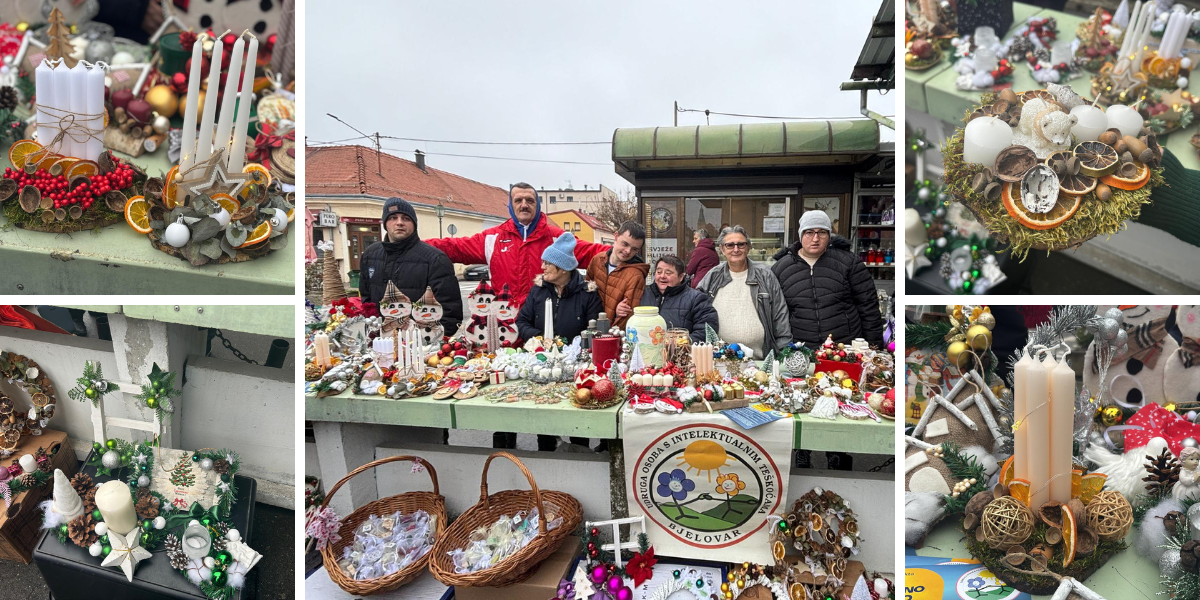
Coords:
pixel 91 385
pixel 823 528
pixel 27 375
pixel 157 394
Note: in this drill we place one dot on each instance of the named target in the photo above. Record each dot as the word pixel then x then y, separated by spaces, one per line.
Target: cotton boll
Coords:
pixel 983 80
pixel 237 581
pixel 922 510
pixel 984 457
pixel 1152 534
pixel 964 66
pixel 1046 75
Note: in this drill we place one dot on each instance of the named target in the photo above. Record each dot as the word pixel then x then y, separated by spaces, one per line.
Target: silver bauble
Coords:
pixel 1120 353
pixel 143 481
pixel 1115 314
pixel 924 193
pixel 1189 442
pixel 206 464
pixel 1121 339
pixel 101 386
pixel 1108 329
pixel 940 211
pixel 797 364
pixel 161 124
pixel 111 459
pixel 99 51
pixel 1169 565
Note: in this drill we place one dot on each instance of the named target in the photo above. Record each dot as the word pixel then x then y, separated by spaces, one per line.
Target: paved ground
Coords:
pixel 274 538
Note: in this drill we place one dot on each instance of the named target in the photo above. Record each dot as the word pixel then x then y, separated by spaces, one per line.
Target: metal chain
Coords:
pixel 235 351
pixel 887 463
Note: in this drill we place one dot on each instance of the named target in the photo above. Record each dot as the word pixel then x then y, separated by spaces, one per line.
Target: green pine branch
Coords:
pixel 927 335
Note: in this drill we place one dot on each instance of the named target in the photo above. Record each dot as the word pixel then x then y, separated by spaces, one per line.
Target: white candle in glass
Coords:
pixel 1060 52
pixel 61 78
pixel 44 88
pixel 237 153
pixel 188 149
pixel 985 59
pixel 229 97
pixel 983 140
pixel 1124 118
pixel 208 119
pixel 116 506
pixel 1062 429
pixel 1091 122
pixel 95 106
pixel 1020 408
pixel 1039 431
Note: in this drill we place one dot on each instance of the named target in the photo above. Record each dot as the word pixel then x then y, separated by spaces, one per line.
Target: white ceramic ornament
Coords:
pixel 177 234
pixel 222 216
pixel 233 535
pixel 159 522
pixel 279 222
pixel 126 552
pixel 101 528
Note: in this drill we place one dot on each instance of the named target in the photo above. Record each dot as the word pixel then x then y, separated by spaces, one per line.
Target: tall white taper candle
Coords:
pixel 237 153
pixel 1062 428
pixel 229 96
pixel 208 119
pixel 187 155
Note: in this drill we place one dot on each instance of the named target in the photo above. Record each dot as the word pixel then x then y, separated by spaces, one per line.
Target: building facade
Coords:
pixel 586 200
pixel 584 226
pixel 345 188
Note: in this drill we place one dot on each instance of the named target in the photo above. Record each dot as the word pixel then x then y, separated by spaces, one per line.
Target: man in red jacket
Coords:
pixel 513 250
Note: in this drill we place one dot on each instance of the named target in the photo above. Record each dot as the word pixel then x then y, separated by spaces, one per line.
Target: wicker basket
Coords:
pixel 430 502
pixel 521 565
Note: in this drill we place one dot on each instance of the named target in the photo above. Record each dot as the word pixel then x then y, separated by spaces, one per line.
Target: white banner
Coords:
pixel 705 485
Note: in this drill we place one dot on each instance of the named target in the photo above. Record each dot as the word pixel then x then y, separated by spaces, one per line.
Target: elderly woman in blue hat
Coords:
pixel 573 304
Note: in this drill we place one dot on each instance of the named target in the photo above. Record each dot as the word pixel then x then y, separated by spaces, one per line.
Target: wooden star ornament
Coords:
pixel 126 552
pixel 213 179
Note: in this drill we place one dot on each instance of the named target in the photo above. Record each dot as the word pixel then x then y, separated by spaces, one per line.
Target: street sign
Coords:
pixel 327 219
pixel 452 228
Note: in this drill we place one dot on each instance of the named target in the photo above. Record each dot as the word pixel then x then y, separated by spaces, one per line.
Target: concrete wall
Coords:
pixel 225 403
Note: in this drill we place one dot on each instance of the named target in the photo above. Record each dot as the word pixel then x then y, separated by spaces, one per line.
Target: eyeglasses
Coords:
pixel 816 234
pixel 738 245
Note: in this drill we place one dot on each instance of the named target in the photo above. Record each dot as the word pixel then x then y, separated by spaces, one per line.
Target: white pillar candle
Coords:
pixel 1039 431
pixel 658 380
pixel 95 106
pixel 237 153
pixel 321 349
pixel 668 380
pixel 79 106
pixel 229 97
pixel 28 463
pixel 1062 429
pixel 116 506
pixel 188 149
pixel 1124 118
pixel 208 119
pixel 1020 409
pixel 44 88
pixel 548 330
pixel 1091 122
pixel 61 79
pixel 984 139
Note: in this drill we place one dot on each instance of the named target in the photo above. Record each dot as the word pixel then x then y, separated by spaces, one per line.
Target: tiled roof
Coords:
pixel 592 222
pixel 355 170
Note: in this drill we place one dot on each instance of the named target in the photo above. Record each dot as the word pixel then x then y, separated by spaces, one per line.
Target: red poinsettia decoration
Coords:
pixel 186 39
pixel 641 566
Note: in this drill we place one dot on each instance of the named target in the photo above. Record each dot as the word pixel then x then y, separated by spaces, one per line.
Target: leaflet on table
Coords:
pixel 754 415
pixel 928 578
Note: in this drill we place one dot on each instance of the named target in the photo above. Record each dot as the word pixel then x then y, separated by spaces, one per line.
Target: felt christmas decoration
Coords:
pixel 482 298
pixel 1139 376
pixel 396 308
pixel 506 317
pixel 427 316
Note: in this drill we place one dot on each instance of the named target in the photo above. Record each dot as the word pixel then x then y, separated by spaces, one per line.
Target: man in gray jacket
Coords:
pixel 740 281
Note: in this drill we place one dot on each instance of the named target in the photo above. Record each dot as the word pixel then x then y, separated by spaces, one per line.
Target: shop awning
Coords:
pixel 830 142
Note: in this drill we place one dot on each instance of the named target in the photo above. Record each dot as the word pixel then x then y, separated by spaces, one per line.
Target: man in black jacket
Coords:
pixel 828 289
pixel 411 264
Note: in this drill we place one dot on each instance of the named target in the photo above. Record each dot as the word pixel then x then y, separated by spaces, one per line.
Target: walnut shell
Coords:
pixel 1014 162
pixel 31 199
pixel 8 187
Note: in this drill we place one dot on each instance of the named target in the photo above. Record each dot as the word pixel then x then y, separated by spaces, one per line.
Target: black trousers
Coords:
pixel 546 443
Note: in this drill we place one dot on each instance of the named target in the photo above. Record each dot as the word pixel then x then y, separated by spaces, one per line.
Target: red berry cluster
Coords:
pixel 671 369
pixel 1003 70
pixel 56 187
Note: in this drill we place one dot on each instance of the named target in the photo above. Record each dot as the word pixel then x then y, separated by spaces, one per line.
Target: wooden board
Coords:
pixel 21 521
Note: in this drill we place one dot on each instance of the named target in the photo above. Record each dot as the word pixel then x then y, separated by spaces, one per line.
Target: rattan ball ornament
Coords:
pixel 1110 515
pixel 1006 521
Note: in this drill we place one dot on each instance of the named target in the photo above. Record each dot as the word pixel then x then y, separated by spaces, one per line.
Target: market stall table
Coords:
pixel 70 572
pixel 118 260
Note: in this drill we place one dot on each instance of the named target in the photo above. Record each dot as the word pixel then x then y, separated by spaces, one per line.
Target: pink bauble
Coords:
pixel 598 573
pixel 625 593
pixel 892 346
pixel 614 583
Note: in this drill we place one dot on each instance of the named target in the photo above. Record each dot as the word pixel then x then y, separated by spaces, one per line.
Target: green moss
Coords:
pixel 99 215
pixel 1082 564
pixel 1094 217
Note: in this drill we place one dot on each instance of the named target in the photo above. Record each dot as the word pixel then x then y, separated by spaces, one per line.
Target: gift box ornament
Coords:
pixel 496 377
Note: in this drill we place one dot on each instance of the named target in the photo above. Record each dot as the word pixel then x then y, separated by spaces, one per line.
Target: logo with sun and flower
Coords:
pixel 981 583
pixel 708 485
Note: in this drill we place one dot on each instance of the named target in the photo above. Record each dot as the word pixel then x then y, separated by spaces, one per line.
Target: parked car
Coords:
pixel 476 273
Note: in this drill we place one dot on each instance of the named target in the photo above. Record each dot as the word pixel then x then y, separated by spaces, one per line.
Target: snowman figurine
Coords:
pixel 1181 378
pixel 396 309
pixel 427 317
pixel 1138 378
pixel 506 316
pixel 480 302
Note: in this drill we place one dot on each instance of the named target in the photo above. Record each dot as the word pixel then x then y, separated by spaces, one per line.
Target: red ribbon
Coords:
pixel 1156 421
pixel 264 142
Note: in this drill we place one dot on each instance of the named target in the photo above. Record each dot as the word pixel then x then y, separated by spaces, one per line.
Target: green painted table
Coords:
pixel 845 435
pixel 1125 576
pixel 118 260
pixel 351 408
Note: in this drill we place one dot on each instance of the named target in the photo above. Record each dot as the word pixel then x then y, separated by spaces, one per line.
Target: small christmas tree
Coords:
pixel 710 335
pixel 182 474
pixel 1163 472
pixel 331 279
pixel 60 44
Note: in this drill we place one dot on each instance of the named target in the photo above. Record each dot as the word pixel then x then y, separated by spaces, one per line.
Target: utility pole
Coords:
pixel 676 113
pixel 378 155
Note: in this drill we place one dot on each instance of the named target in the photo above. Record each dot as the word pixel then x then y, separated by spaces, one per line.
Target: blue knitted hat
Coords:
pixel 562 253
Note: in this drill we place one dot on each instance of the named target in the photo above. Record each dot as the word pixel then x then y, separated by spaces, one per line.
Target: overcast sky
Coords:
pixel 553 71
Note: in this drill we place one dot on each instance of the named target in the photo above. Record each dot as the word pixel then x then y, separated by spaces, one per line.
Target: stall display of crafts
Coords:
pixel 220 203
pixel 1049 170
pixel 1048 481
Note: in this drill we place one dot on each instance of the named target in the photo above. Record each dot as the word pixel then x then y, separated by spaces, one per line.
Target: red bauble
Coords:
pixel 595 532
pixel 204 64
pixel 604 390
pixel 922 49
pixel 708 395
pixel 446 347
pixel 888 407
pixel 179 83
pixel 121 98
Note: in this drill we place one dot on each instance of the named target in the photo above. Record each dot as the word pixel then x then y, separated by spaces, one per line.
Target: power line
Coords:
pixel 537 160
pixel 408 139
pixel 713 112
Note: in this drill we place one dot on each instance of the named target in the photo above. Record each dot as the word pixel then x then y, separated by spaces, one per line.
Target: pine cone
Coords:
pixel 88 497
pixel 8 98
pixel 221 466
pixel 82 530
pixel 147 507
pixel 142 493
pixel 45 466
pixel 172 543
pixel 28 480
pixel 179 560
pixel 1189 556
pixel 81 482
pixel 219 543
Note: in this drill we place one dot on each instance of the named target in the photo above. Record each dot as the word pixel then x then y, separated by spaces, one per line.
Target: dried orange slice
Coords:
pixel 20 151
pixel 1069 533
pixel 1064 209
pixel 291 213
pixel 778 550
pixel 259 235
pixel 170 187
pixel 229 203
pixel 1134 183
pixel 87 168
pixel 61 165
pixel 1096 159
pixel 1019 489
pixel 261 175
pixel 137 214
pixel 1008 471
pixel 1090 485
pixel 44 160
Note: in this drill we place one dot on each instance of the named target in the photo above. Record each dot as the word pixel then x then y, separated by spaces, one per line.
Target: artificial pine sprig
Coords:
pixel 158 392
pixel 962 466
pixel 927 335
pixel 91 385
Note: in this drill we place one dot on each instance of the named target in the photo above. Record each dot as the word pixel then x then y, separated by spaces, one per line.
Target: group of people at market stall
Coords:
pixel 815 288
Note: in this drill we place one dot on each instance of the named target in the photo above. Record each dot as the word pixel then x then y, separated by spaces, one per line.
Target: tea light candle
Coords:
pixel 1091 123
pixel 116 506
pixel 1124 118
pixel 984 139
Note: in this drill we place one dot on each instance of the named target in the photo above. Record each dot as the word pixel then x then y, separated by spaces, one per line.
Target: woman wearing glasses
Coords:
pixel 737 284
